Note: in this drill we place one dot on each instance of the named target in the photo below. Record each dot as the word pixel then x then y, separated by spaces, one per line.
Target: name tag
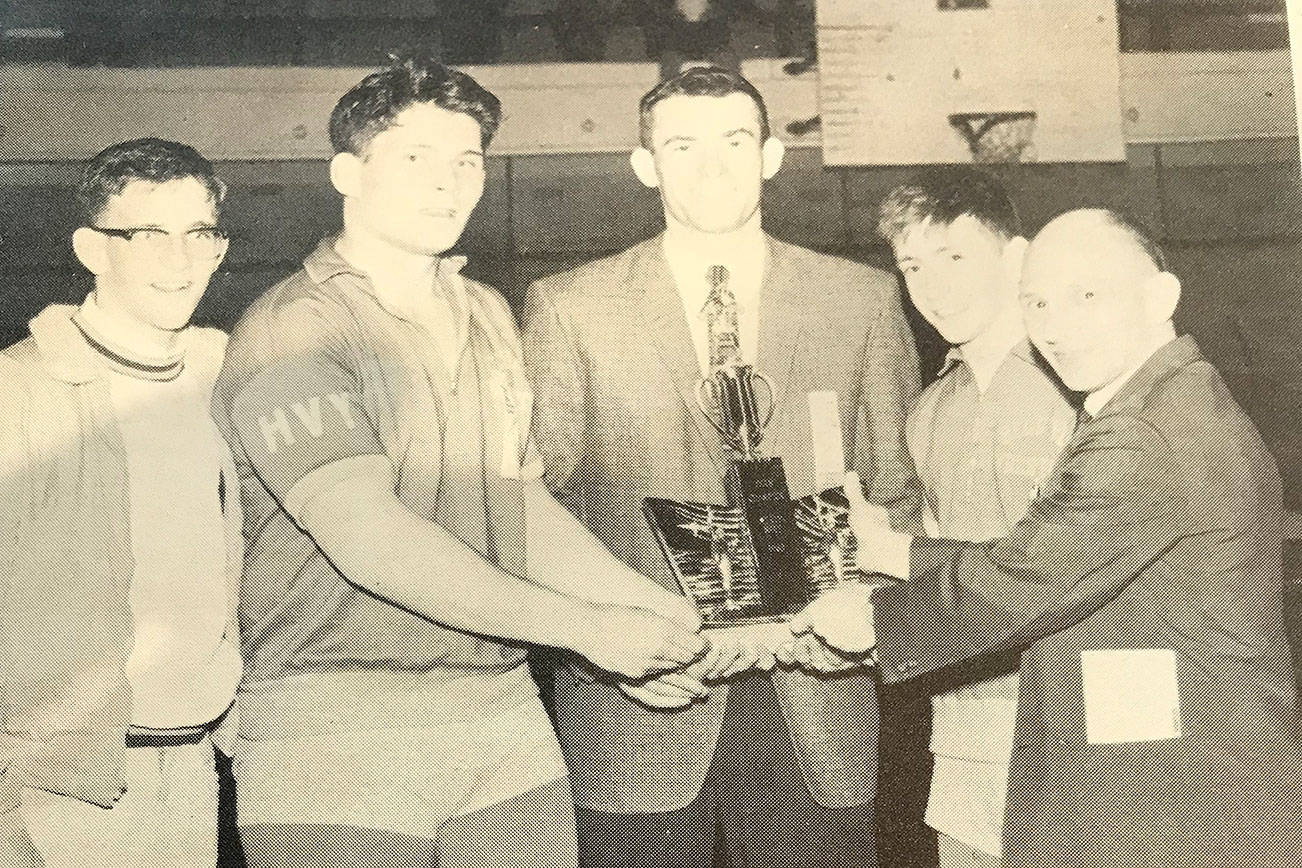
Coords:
pixel 1131 695
pixel 829 446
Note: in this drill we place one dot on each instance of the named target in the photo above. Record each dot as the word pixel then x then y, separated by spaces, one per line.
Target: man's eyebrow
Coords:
pixel 740 131
pixel 672 139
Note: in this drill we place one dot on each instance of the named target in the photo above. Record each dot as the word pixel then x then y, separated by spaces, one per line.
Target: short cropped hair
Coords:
pixel 1139 233
pixel 942 195
pixel 155 161
pixel 372 105
pixel 699 81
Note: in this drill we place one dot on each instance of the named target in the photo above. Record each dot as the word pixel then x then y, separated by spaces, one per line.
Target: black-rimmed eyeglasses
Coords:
pixel 203 242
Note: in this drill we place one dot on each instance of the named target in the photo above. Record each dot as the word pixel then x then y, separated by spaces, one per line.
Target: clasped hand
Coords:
pixel 835 632
pixel 731 652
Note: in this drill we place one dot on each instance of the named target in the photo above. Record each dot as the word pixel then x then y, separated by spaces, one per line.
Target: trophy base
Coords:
pixel 763 557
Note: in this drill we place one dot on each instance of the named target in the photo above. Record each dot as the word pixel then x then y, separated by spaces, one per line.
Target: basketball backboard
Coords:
pixel 950 81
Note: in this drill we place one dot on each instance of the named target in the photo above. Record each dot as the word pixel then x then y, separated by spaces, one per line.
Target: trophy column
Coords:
pixel 743 562
pixel 758 487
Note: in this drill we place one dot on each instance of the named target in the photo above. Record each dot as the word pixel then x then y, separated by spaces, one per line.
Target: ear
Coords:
pixel 1161 295
pixel 345 173
pixel 644 166
pixel 226 245
pixel 91 250
pixel 1013 258
pixel 773 153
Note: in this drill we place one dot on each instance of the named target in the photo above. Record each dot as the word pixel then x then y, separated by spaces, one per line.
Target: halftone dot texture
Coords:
pixel 532 829
pixel 613 368
pixel 754 808
pixel 1158 529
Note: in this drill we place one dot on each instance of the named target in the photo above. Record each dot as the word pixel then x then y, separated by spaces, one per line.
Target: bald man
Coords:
pixel 1157 720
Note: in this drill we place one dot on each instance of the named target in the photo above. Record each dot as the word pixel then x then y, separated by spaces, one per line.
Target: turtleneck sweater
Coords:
pixel 182 668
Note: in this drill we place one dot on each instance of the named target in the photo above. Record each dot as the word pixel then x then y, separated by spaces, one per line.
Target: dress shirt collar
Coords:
pixel 985 355
pixel 744 255
pixel 1020 350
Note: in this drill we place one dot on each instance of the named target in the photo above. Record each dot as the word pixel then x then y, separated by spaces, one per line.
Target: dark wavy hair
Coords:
pixel 942 195
pixel 154 160
pixel 699 81
pixel 371 106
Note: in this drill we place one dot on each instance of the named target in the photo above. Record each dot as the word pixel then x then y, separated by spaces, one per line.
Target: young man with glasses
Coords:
pixel 122 536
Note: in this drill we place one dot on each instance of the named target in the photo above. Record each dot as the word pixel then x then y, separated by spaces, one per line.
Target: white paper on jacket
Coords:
pixel 1130 695
pixel 829 446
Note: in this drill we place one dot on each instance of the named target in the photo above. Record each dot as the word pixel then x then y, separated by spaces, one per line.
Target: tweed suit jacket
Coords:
pixel 614 371
pixel 1159 529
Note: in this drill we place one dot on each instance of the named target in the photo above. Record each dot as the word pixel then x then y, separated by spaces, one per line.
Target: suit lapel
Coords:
pixel 782 314
pixel 662 308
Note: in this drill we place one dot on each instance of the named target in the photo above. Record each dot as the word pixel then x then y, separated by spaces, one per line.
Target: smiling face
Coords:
pixel 1092 299
pixel 158 287
pixel 708 160
pixel 957 276
pixel 418 181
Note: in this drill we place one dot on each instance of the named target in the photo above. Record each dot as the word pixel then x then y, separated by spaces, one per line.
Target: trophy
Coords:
pixel 747 561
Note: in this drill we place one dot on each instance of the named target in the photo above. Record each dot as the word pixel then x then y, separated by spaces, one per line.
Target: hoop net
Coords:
pixel 997 137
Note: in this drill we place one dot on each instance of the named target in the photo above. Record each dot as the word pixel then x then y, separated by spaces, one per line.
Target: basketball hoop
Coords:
pixel 997 137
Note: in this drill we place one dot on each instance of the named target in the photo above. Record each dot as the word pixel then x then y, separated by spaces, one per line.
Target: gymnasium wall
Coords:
pixel 1229 214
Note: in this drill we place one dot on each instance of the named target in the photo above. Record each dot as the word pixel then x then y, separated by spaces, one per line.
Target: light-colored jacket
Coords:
pixel 66 564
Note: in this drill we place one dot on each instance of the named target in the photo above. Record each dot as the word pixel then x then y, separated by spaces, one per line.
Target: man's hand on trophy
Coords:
pixel 878 548
pixel 636 643
pixel 665 691
pixel 866 519
pixel 675 607
pixel 842 617
pixel 814 655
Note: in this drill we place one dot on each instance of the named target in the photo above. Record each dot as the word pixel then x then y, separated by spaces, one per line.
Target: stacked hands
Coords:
pixel 673 664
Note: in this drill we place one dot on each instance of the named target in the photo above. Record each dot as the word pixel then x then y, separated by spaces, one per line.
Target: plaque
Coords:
pixel 760 557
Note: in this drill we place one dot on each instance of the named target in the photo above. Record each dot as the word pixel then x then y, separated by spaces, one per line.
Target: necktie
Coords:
pixel 721 316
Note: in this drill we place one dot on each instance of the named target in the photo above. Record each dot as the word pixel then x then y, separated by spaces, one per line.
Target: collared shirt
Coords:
pixel 981 456
pixel 745 277
pixel 442 309
pixel 321 375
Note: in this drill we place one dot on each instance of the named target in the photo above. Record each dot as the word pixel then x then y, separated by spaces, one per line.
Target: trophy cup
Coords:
pixel 760 558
